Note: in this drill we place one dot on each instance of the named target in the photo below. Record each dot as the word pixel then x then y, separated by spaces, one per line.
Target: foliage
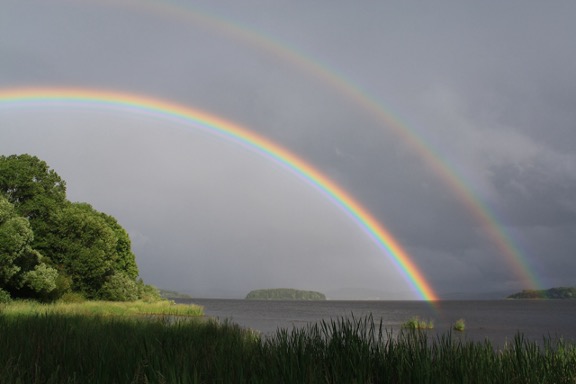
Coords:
pixel 119 287
pixel 284 294
pixel 99 349
pixel 552 293
pixel 75 305
pixel 417 323
pixel 41 279
pixel 63 286
pixel 85 248
pixel 148 293
pixel 72 297
pixel 50 246
pixel 22 269
pixel 125 260
pixel 29 184
pixel 36 191
pixel 4 297
pixel 460 325
pixel 171 295
pixel 15 238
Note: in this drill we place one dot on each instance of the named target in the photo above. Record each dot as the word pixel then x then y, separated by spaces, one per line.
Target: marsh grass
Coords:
pixel 459 325
pixel 102 308
pixel 64 348
pixel 417 323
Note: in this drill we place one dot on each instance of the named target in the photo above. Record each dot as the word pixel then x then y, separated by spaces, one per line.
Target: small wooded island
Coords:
pixel 284 294
pixel 552 293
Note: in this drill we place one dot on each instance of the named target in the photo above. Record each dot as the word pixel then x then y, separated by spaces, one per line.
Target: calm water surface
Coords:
pixel 495 320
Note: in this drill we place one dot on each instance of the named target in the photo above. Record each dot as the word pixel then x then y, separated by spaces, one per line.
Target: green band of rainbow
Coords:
pixel 89 98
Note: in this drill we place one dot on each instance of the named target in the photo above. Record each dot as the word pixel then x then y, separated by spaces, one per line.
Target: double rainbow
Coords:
pixel 131 103
pixel 485 217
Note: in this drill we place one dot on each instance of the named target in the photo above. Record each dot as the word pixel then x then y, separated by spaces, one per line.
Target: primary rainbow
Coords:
pixel 101 99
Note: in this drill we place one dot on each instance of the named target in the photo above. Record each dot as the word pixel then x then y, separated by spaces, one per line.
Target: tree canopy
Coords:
pixel 50 246
pixel 22 268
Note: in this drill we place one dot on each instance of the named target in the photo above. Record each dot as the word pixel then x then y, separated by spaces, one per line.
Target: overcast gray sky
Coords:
pixel 489 87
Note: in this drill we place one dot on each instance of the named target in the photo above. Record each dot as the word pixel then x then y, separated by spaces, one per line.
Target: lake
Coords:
pixel 495 320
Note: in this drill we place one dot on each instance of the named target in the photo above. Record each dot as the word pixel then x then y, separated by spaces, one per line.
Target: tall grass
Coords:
pixel 102 308
pixel 417 323
pixel 53 348
pixel 61 348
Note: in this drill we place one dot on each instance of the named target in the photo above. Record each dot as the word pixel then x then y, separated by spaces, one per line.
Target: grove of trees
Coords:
pixel 50 246
pixel 284 294
pixel 552 293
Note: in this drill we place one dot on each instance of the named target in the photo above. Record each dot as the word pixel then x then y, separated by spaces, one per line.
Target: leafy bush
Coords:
pixel 148 293
pixel 4 296
pixel 119 287
pixel 41 279
pixel 459 325
pixel 416 323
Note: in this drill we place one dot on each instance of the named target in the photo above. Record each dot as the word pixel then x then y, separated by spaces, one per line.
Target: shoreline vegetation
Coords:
pixel 417 323
pixel 102 308
pixel 55 249
pixel 173 295
pixel 284 294
pixel 53 343
pixel 74 310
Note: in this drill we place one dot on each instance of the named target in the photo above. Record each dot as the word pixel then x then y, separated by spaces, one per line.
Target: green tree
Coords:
pixel 90 247
pixel 15 238
pixel 29 184
pixel 119 287
pixel 147 292
pixel 35 190
pixel 22 270
pixel 50 246
pixel 41 279
pixel 4 297
pixel 84 246
pixel 125 259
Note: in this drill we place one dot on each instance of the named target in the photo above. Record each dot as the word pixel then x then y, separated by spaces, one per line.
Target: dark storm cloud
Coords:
pixel 488 86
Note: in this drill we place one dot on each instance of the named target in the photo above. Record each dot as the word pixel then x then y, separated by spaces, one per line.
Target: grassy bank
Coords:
pixel 71 348
pixel 101 308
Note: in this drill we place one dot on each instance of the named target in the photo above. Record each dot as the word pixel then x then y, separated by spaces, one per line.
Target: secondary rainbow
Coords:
pixel 485 217
pixel 103 99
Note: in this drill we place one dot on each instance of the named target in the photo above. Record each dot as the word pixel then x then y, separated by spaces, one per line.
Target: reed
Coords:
pixel 102 308
pixel 53 347
pixel 459 325
pixel 417 323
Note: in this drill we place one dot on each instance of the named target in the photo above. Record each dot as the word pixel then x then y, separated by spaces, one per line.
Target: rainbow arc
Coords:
pixel 131 103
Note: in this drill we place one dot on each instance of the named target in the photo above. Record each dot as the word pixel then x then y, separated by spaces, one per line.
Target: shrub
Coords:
pixel 147 293
pixel 417 323
pixel 4 296
pixel 119 287
pixel 459 325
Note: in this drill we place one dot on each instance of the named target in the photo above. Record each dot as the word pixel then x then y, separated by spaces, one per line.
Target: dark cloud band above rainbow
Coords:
pixel 130 103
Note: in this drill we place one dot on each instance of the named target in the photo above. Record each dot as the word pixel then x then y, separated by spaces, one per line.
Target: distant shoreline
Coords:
pixel 559 293
pixel 285 294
